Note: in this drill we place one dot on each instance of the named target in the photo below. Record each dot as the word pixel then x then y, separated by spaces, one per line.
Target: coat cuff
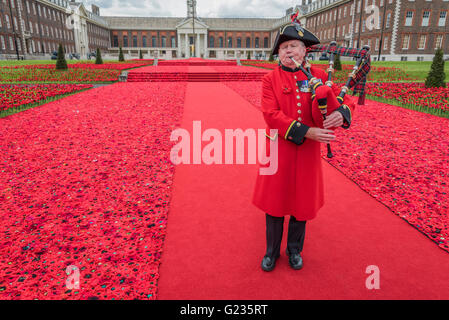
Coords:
pixel 347 116
pixel 296 132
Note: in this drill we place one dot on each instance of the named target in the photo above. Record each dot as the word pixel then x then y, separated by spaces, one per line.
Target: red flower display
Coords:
pixel 397 155
pixel 85 181
pixel 13 96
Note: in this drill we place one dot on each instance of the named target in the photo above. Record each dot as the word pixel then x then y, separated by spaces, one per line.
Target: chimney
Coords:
pixel 95 10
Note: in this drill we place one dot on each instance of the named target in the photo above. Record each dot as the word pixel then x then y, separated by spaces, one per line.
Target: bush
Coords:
pixel 249 56
pixel 61 63
pixel 120 55
pixel 337 62
pixel 271 58
pixel 436 76
pixel 98 60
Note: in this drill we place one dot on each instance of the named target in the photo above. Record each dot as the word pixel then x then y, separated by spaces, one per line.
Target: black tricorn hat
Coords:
pixel 294 31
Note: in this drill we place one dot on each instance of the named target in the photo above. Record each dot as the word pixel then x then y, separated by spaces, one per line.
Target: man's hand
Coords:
pixel 334 120
pixel 320 135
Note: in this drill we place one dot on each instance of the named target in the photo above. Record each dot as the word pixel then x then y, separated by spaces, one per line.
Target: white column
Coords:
pixel 187 46
pixel 179 45
pixel 198 46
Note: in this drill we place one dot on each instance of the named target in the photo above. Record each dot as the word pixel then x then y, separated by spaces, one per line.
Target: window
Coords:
pixel 377 44
pixel 265 42
pixel 343 31
pixel 115 41
pixel 220 42
pixel 173 42
pixel 408 18
pixel 386 43
pixel 211 42
pixel 344 12
pixel 230 42
pixel 2 39
pixel 248 42
pixel 8 24
pixel 387 22
pixel 11 44
pixel 422 42
pixel 256 44
pixel 134 41
pixel 405 42
pixel 239 42
pixel 125 41
pixel 164 41
pixel 356 27
pixel 425 18
pixel 144 41
pixel 153 41
pixel 442 20
pixel 439 41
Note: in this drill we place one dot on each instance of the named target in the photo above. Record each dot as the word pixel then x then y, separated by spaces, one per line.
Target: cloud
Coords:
pixel 205 8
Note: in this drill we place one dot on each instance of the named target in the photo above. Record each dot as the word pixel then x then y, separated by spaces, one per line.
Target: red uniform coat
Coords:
pixel 297 187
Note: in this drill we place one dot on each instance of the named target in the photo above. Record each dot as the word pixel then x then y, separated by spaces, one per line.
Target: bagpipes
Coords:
pixel 324 100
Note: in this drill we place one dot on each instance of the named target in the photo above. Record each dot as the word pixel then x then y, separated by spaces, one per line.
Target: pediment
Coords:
pixel 188 24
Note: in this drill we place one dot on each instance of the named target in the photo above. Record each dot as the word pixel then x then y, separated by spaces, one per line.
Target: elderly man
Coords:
pixel 296 189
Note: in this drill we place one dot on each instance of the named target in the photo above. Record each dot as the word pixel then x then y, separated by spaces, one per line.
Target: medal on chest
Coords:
pixel 303 85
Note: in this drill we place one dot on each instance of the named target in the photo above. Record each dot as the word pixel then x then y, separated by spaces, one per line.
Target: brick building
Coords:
pixel 33 29
pixel 394 29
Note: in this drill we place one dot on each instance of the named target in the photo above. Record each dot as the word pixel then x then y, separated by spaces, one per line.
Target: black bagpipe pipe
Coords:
pixel 330 103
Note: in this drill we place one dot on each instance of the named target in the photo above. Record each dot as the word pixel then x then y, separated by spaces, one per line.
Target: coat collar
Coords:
pixel 289 69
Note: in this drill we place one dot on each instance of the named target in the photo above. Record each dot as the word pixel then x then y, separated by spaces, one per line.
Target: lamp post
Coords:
pixel 13 30
pixel 360 25
pixel 382 31
pixel 193 24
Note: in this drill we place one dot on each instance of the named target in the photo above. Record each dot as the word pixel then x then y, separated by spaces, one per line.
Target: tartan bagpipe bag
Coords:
pixel 359 81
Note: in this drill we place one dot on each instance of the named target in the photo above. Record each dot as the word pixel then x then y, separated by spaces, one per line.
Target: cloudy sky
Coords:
pixel 205 8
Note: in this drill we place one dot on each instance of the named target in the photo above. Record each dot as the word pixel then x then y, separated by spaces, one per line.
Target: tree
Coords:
pixel 120 55
pixel 436 77
pixel 140 54
pixel 337 62
pixel 61 63
pixel 98 60
pixel 249 56
pixel 271 58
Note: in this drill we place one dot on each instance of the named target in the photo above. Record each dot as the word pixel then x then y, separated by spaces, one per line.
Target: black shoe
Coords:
pixel 268 263
pixel 294 260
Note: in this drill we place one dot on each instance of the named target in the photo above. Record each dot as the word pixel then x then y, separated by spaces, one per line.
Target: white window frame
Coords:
pixel 425 21
pixel 442 21
pixel 408 20
pixel 439 36
pixel 407 36
pixel 419 41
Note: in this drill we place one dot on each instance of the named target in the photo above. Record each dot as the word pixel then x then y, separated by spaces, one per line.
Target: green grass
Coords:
pixel 24 107
pixel 437 112
pixel 415 69
pixel 5 63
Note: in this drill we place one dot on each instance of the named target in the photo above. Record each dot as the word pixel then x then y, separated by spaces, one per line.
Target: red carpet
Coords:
pixel 216 237
pixel 192 70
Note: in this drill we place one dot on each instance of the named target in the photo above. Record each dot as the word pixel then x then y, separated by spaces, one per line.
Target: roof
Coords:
pixel 161 23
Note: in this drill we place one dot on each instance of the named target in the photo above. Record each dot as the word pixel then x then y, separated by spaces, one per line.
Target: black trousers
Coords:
pixel 275 228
